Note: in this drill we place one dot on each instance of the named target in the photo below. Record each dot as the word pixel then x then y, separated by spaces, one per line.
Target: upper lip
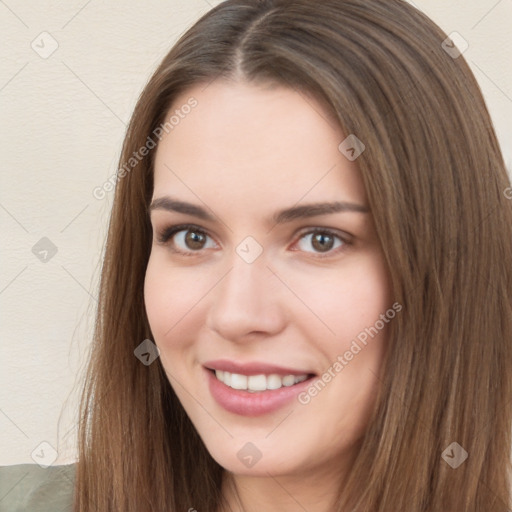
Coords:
pixel 252 368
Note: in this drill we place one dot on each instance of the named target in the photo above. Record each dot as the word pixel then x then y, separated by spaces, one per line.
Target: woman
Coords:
pixel 306 297
pixel 261 110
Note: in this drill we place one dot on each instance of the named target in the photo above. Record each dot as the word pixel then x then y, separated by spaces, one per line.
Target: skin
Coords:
pixel 243 153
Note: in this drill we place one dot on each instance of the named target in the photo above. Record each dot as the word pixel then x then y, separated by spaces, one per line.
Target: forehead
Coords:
pixel 249 146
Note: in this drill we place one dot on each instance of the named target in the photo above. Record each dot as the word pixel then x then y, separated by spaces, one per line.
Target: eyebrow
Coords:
pixel 287 215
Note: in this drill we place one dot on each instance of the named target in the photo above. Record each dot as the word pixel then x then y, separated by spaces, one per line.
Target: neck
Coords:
pixel 313 491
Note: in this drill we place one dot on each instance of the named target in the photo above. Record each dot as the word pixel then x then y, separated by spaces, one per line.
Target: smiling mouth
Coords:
pixel 258 383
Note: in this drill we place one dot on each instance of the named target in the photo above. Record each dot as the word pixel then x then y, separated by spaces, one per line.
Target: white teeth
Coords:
pixel 257 383
pixel 238 381
pixel 260 382
pixel 274 382
pixel 289 380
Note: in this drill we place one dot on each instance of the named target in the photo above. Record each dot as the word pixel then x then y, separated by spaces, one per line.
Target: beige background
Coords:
pixel 63 117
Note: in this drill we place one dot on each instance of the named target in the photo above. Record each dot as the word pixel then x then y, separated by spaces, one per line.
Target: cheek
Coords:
pixel 169 296
pixel 350 300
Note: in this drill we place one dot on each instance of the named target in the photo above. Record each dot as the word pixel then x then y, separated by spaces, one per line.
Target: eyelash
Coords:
pixel 164 236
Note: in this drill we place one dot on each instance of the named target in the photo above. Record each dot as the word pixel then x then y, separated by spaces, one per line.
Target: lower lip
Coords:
pixel 246 403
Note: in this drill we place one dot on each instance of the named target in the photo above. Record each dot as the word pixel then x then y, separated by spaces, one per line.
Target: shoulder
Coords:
pixel 29 487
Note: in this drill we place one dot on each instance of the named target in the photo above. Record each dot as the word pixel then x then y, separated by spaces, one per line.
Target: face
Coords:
pixel 266 288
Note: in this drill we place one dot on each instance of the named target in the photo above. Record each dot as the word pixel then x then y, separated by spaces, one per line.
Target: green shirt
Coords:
pixel 31 488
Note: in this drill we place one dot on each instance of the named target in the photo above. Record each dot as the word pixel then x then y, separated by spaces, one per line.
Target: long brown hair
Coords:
pixel 435 180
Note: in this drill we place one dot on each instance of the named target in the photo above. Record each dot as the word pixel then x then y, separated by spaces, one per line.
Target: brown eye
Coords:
pixel 320 241
pixel 195 240
pixel 186 239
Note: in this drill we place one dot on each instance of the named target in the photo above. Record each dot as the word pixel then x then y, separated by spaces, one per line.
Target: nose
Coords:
pixel 247 303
